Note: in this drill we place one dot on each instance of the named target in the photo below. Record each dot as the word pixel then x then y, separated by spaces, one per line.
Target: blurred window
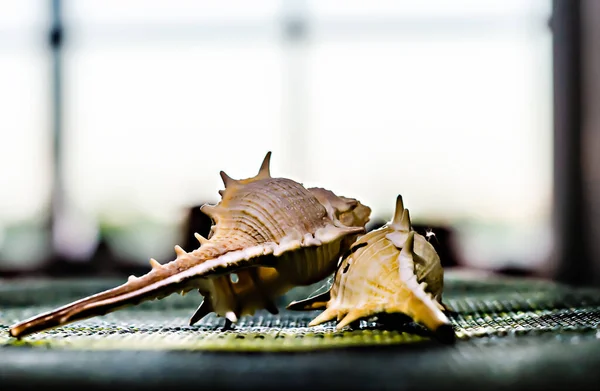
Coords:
pixel 447 103
pixel 25 131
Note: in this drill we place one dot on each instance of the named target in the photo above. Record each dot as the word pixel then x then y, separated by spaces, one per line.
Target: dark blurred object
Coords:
pixel 590 29
pixel 516 271
pixel 375 224
pixel 576 46
pixel 198 222
pixel 440 237
pixel 102 263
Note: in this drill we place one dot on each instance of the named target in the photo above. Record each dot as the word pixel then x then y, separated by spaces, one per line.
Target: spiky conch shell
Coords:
pixel 389 270
pixel 272 232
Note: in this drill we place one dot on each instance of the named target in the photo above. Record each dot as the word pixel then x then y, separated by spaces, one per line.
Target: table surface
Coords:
pixel 511 333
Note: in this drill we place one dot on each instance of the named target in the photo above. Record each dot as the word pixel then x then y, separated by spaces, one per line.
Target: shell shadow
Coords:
pixel 404 324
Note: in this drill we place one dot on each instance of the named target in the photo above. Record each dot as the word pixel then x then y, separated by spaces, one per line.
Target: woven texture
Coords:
pixel 485 310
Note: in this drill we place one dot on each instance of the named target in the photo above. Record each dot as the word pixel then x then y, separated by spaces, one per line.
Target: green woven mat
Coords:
pixel 490 309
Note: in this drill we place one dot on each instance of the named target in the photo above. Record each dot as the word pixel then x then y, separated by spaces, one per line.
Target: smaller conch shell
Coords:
pixel 389 270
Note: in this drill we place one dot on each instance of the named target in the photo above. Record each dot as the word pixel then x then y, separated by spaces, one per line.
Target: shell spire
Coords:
pixel 265 169
pixel 401 220
pixel 399 209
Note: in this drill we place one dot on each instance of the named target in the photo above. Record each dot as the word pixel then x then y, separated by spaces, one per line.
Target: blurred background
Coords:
pixel 116 117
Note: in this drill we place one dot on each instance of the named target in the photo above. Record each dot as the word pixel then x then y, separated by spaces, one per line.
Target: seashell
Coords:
pixel 273 233
pixel 389 270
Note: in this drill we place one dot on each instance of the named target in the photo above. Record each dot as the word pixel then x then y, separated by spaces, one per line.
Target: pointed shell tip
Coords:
pixel 179 251
pixel 201 239
pixel 155 264
pixel 227 180
pixel 265 170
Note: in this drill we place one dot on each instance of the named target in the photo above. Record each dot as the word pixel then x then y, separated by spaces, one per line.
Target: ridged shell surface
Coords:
pixel 272 232
pixel 389 270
